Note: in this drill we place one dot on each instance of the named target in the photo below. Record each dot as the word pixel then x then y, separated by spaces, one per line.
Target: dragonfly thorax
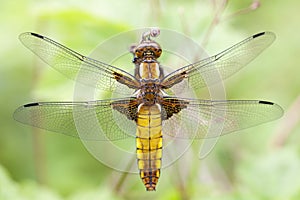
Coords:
pixel 150 91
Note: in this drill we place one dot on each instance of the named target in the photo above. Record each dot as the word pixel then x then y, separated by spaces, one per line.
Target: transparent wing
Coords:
pixel 72 64
pixel 221 66
pixel 115 119
pixel 191 118
pixel 94 120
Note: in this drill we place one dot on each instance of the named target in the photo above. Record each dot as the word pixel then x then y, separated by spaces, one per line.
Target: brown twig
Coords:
pixel 253 6
pixel 121 180
pixel 184 21
pixel 215 21
pixel 287 125
pixel 37 137
pixel 217 18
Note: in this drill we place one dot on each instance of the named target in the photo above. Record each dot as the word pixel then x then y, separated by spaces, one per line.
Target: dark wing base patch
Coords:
pixel 172 106
pixel 129 109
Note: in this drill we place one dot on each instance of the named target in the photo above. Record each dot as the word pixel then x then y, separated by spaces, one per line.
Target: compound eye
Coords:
pixel 157 52
pixel 138 53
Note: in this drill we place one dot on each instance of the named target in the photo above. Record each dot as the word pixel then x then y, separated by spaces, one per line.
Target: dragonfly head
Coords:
pixel 147 49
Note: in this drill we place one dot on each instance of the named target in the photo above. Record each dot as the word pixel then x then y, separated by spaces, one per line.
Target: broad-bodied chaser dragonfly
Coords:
pixel 150 109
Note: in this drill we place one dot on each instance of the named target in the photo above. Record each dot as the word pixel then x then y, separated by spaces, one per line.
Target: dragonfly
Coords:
pixel 150 111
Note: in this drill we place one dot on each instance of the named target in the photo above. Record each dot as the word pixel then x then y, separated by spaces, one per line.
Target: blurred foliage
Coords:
pixel 258 163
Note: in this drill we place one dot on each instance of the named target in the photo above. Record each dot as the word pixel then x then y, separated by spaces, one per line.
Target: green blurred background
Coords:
pixel 258 163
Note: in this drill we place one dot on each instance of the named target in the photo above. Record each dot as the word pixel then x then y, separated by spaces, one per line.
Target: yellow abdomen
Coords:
pixel 149 144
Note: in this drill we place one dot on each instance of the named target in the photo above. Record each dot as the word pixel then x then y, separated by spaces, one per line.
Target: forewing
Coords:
pixel 94 120
pixel 219 67
pixel 78 67
pixel 198 119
